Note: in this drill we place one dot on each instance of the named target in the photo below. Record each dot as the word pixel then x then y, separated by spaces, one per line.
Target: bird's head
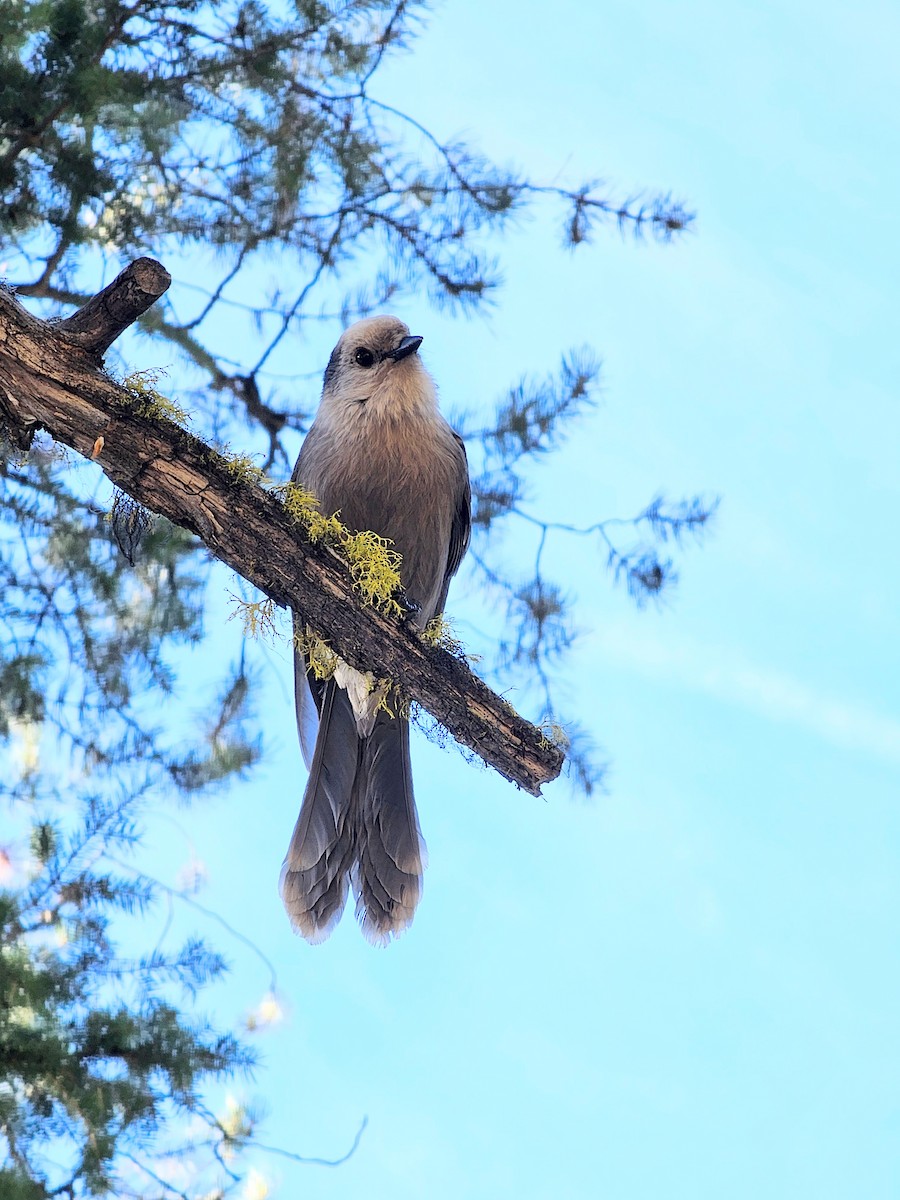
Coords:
pixel 376 367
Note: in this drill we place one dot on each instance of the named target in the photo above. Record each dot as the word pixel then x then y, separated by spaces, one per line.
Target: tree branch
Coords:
pixel 107 315
pixel 49 379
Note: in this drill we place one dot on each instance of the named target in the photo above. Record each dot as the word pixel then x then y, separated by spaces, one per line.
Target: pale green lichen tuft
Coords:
pixel 257 617
pixel 375 567
pixel 553 735
pixel 439 633
pixel 297 500
pixel 323 662
pixel 240 467
pixel 392 696
pixel 148 401
pixel 436 632
pixel 320 658
pixel 403 706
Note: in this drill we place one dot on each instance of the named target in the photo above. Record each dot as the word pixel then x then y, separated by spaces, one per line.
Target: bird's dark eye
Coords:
pixel 364 357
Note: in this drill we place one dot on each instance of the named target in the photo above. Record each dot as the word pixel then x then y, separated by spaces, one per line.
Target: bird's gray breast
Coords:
pixel 400 481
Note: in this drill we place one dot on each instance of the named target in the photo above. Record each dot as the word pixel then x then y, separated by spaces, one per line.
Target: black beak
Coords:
pixel 408 346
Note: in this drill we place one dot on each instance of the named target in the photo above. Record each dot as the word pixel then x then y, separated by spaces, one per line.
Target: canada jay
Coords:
pixel 380 454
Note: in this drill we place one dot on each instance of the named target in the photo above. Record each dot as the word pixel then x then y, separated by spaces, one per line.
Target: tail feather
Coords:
pixel 305 705
pixel 315 875
pixel 357 825
pixel 390 858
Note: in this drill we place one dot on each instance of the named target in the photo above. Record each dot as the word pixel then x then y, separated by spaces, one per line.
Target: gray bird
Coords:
pixel 381 455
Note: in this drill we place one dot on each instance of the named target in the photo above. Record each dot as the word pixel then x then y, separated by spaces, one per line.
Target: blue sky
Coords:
pixel 689 986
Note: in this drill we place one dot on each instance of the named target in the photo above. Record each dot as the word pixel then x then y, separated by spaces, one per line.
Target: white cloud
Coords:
pixel 726 674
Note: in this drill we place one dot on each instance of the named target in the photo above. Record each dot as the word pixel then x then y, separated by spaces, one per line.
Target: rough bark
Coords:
pixel 50 379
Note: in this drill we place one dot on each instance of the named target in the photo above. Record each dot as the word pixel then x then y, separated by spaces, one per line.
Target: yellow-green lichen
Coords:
pixel 436 632
pixel 240 467
pixel 375 567
pixel 391 700
pixel 439 633
pixel 320 658
pixel 402 705
pixel 148 401
pixel 257 617
pixel 324 663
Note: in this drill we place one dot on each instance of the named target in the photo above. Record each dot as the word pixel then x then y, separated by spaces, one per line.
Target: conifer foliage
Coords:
pixel 248 146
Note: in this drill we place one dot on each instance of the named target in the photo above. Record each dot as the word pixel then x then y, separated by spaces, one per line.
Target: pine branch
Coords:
pixel 49 380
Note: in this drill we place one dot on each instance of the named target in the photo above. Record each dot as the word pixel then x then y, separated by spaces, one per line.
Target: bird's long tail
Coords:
pixel 357 822
pixel 390 853
pixel 316 871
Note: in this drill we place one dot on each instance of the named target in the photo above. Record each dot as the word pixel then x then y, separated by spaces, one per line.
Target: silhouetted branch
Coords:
pixel 49 381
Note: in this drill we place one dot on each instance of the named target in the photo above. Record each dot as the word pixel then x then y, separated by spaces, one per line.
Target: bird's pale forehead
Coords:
pixel 376 331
